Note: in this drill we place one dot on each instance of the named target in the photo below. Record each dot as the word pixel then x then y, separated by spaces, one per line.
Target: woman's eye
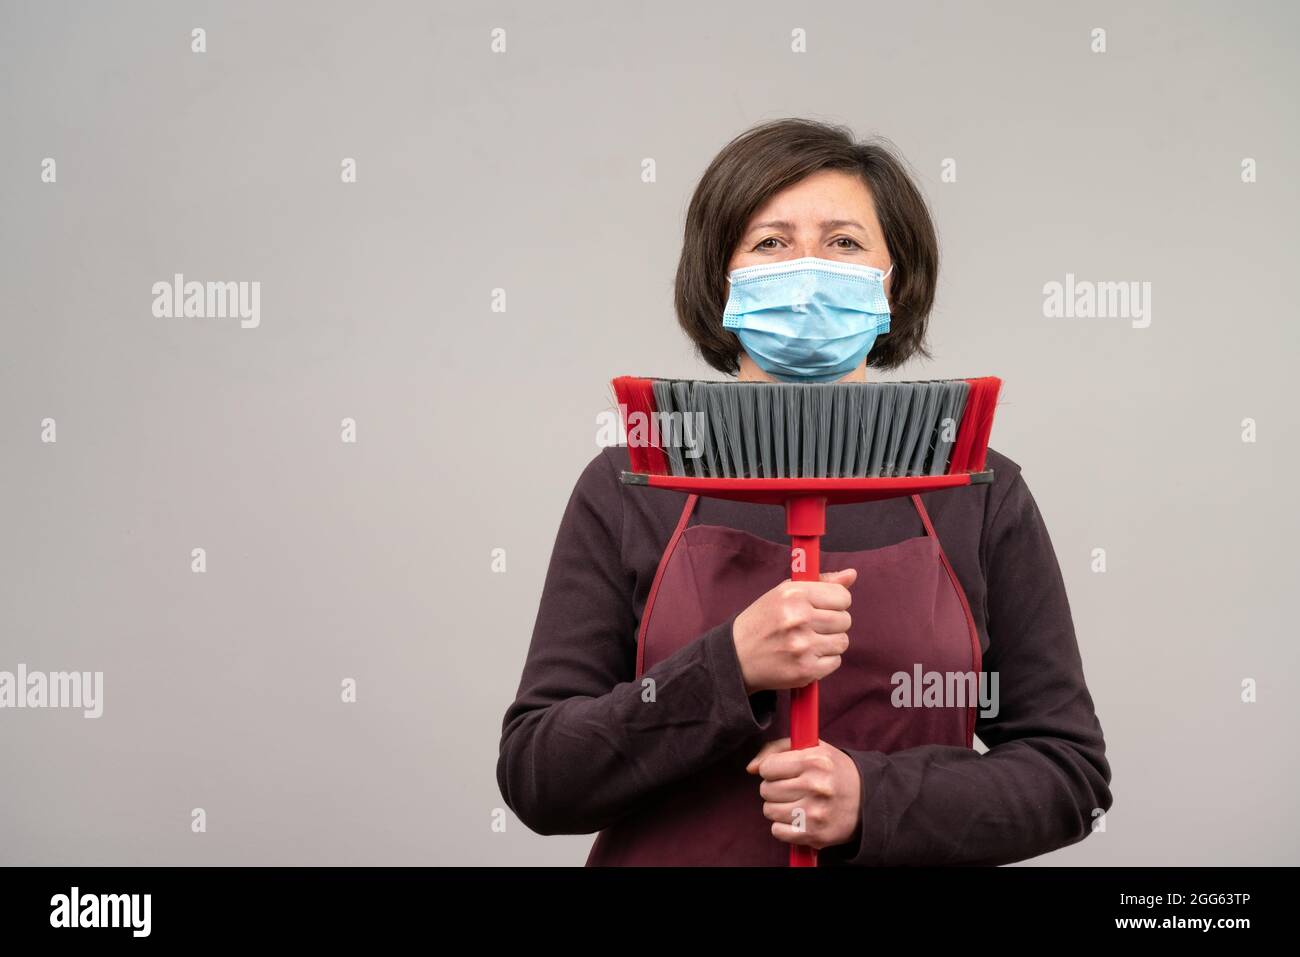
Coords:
pixel 850 240
pixel 770 239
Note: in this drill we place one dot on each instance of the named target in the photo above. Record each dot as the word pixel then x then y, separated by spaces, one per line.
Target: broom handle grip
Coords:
pixel 805 524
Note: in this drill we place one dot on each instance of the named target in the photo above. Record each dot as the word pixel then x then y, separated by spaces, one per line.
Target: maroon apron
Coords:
pixel 908 609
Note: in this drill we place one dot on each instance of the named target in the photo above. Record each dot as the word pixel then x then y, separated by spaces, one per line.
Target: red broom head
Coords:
pixel 638 410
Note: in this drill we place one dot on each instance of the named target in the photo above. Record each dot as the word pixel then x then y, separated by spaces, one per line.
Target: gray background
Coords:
pixel 522 171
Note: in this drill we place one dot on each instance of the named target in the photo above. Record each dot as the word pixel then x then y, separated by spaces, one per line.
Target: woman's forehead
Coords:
pixel 828 199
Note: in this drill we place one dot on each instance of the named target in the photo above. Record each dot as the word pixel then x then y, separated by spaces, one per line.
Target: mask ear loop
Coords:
pixel 882 289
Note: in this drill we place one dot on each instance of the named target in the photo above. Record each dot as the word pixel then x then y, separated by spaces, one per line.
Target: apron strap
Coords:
pixel 659 574
pixel 925 516
pixel 976 655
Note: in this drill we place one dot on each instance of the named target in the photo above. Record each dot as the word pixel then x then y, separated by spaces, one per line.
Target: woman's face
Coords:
pixel 829 214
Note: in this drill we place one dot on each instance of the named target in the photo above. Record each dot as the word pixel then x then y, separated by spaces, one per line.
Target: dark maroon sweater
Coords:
pixel 579 750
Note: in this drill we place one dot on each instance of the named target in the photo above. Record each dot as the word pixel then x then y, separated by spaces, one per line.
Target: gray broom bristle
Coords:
pixel 831 430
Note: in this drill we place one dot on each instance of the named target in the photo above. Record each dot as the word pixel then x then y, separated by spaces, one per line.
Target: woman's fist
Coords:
pixel 812 796
pixel 794 634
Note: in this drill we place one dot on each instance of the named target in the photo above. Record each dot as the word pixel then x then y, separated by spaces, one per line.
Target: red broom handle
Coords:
pixel 805 521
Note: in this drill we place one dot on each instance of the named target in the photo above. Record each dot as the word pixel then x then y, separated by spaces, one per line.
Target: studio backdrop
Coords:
pixel 291 534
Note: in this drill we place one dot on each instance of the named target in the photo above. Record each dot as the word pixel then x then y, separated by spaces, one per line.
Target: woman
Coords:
pixel 654 700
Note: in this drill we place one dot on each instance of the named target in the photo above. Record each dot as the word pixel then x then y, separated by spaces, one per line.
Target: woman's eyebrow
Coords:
pixel 788 226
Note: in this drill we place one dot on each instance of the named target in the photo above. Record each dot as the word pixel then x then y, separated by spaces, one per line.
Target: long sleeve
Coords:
pixel 582 744
pixel 1045 775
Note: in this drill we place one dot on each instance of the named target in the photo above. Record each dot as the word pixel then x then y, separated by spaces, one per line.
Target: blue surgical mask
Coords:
pixel 808 319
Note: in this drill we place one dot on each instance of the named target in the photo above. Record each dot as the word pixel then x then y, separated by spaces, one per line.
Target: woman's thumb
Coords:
pixel 845 576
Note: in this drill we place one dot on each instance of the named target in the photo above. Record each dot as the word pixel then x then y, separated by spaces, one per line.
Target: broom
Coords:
pixel 806 446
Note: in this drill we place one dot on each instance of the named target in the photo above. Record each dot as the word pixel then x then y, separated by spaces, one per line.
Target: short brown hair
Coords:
pixel 761 162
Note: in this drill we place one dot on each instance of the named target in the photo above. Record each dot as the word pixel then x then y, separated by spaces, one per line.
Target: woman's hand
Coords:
pixel 822 782
pixel 794 634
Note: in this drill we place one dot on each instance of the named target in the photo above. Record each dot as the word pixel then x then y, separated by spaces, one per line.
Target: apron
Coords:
pixel 908 609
